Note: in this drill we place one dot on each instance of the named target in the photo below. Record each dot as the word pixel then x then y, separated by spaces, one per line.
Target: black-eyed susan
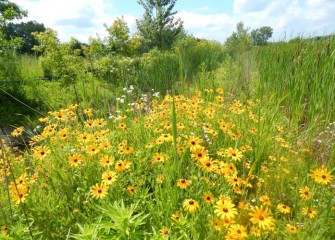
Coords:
pixel 132 190
pixel 265 200
pixel 291 229
pixel 255 231
pixel 92 149
pixel 208 198
pixel 321 175
pixel 165 232
pixel 234 154
pixel 17 132
pixel 305 193
pixel 108 177
pixel 262 218
pixel 18 193
pixel 176 216
pixel 225 209
pixel 41 152
pixel 309 212
pixel 238 231
pixel 183 183
pixel 283 208
pixel 199 153
pixel 106 160
pixel 190 205
pixel 99 191
pixel 76 159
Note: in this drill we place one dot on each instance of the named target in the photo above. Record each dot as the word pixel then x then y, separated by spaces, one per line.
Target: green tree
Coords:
pixel 9 63
pixel 118 38
pixel 24 31
pixel 239 41
pixel 158 26
pixel 261 35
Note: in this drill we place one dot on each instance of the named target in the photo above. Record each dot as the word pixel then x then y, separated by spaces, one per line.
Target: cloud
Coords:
pixel 210 26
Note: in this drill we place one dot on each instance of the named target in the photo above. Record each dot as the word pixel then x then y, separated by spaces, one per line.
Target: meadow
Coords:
pixel 186 144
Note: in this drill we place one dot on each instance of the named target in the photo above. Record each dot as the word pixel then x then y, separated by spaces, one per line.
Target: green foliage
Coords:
pixel 240 41
pixel 24 31
pixel 60 61
pixel 158 26
pixel 117 41
pixel 261 35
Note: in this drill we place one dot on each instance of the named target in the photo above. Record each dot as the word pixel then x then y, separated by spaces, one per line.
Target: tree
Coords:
pixel 261 35
pixel 239 41
pixel 24 31
pixel 118 36
pixel 158 27
pixel 9 63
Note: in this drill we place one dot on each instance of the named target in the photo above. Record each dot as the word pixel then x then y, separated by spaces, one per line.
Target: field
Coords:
pixel 186 144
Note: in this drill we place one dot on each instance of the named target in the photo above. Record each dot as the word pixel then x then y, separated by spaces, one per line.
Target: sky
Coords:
pixel 209 19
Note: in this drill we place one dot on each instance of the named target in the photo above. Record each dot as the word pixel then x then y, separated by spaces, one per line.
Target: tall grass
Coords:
pixel 302 72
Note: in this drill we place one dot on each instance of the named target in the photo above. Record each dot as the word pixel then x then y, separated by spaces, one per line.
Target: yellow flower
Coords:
pixel 291 229
pixel 41 152
pixel 17 132
pixel 183 183
pixel 75 159
pixel 305 193
pixel 238 231
pixel 262 217
pixel 208 198
pixel 99 191
pixel 165 232
pixel 321 175
pixel 106 161
pixel 309 211
pixel 19 193
pixel 282 208
pixel 234 154
pixel 109 177
pixel 132 190
pixel 190 205
pixel 225 209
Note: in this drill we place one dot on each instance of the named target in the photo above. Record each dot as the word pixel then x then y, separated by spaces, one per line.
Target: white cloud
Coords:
pixel 215 26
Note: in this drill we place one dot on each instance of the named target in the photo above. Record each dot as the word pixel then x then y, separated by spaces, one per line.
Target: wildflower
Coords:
pixel 291 229
pixel 165 232
pixel 4 228
pixel 41 152
pixel 75 159
pixel 309 211
pixel 321 175
pixel 92 149
pixel 106 161
pixel 99 191
pixel 190 205
pixel 265 200
pixel 132 190
pixel 109 177
pixel 234 154
pixel 208 198
pixel 282 208
pixel 176 216
pixel 199 153
pixel 238 231
pixel 183 183
pixel 17 132
pixel 255 231
pixel 262 217
pixel 225 209
pixel 305 193
pixel 19 193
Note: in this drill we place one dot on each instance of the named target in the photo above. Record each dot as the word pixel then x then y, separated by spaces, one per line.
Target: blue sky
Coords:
pixel 210 19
